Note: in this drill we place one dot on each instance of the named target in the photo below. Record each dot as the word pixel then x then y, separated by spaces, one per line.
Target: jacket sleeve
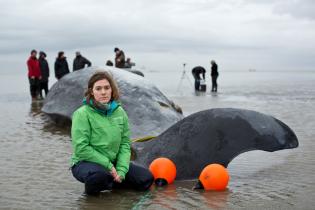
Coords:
pixel 73 66
pixel 123 157
pixel 81 134
pixel 87 62
pixel 30 67
pixel 122 57
pixel 47 69
pixel 57 69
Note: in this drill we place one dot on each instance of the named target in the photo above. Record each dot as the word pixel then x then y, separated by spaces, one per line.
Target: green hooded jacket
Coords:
pixel 102 139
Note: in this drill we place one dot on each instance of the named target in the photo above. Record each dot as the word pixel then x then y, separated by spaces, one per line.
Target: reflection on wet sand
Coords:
pixel 116 199
pixel 48 125
pixel 175 196
pixel 215 200
pixel 36 107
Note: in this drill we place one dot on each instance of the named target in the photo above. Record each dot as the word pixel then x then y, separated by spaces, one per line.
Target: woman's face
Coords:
pixel 102 91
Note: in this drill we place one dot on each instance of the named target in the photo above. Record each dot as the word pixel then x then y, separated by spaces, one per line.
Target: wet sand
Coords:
pixel 34 153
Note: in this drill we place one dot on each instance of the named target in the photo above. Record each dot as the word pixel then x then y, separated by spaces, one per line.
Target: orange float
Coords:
pixel 163 170
pixel 214 177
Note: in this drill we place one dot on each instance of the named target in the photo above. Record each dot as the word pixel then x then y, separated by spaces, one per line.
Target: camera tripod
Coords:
pixel 184 76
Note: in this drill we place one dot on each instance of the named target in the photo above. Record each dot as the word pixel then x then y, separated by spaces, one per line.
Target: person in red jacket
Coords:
pixel 34 74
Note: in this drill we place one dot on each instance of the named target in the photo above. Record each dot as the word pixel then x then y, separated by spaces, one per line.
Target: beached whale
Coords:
pixel 149 111
pixel 215 136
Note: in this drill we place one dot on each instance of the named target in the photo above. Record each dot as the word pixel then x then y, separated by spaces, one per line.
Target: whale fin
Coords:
pixel 215 136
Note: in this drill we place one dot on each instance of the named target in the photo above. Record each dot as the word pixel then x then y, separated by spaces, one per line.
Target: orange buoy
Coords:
pixel 163 170
pixel 214 177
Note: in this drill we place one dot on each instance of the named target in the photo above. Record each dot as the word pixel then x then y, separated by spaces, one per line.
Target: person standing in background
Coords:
pixel 79 62
pixel 44 69
pixel 34 74
pixel 214 76
pixel 119 58
pixel 61 66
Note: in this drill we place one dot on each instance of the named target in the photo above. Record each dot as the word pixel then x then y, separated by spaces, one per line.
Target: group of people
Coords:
pixel 120 60
pixel 38 70
pixel 199 72
pixel 62 67
pixel 38 74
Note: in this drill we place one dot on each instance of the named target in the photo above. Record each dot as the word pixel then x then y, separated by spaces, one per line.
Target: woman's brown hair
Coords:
pixel 100 75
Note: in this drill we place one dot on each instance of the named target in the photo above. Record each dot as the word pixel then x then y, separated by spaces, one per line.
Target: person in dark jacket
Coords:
pixel 196 72
pixel 214 76
pixel 109 63
pixel 79 62
pixel 61 65
pixel 34 74
pixel 129 64
pixel 44 69
pixel 119 58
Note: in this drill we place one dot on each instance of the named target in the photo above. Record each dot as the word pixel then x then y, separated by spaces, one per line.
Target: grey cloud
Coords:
pixel 298 8
pixel 181 26
pixel 295 8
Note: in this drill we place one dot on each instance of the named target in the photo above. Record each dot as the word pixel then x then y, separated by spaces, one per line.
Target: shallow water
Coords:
pixel 34 153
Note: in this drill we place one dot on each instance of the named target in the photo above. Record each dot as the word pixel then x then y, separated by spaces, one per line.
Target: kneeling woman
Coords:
pixel 100 139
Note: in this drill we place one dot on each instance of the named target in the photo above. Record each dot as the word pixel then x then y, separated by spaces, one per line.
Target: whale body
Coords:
pixel 215 136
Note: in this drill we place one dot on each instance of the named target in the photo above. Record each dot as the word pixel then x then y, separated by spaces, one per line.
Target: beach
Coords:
pixel 35 153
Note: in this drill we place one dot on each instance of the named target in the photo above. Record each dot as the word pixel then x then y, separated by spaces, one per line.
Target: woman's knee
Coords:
pixel 147 181
pixel 91 173
pixel 98 177
pixel 98 181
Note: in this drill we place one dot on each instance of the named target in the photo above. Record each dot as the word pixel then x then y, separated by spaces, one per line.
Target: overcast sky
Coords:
pixel 162 35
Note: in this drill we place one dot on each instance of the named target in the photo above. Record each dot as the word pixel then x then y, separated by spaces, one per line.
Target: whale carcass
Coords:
pixel 215 136
pixel 149 111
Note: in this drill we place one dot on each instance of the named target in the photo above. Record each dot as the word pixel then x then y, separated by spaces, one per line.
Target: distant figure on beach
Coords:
pixel 119 58
pixel 196 72
pixel 79 62
pixel 61 65
pixel 101 143
pixel 109 63
pixel 44 69
pixel 129 64
pixel 214 76
pixel 34 74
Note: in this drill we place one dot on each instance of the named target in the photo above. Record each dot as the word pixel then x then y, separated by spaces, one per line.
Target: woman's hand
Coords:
pixel 117 179
pixel 115 175
pixel 113 172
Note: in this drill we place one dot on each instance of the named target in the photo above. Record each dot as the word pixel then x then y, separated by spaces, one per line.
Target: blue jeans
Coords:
pixel 96 178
